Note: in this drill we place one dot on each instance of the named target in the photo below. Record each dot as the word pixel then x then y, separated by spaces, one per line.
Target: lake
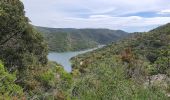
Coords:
pixel 64 58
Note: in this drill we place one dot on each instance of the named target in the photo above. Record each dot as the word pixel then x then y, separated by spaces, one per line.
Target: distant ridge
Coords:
pixel 71 39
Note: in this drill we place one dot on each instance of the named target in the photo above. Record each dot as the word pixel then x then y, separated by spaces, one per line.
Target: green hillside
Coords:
pixel 137 68
pixel 25 72
pixel 134 68
pixel 68 39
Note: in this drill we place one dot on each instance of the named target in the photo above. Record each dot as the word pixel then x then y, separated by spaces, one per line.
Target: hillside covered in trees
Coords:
pixel 136 68
pixel 25 72
pixel 68 39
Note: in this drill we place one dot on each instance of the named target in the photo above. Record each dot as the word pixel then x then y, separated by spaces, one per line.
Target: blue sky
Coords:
pixel 128 15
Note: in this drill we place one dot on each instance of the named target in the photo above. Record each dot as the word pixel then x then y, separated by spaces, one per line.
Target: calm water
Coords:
pixel 64 58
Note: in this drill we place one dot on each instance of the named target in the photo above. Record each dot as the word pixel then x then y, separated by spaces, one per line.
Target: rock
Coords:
pixel 160 80
pixel 81 63
pixel 168 94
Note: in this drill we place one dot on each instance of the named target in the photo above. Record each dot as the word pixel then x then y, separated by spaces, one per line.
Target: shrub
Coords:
pixel 7 84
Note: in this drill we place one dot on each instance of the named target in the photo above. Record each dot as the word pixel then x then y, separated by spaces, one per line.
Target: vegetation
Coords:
pixel 8 88
pixel 62 40
pixel 27 73
pixel 136 68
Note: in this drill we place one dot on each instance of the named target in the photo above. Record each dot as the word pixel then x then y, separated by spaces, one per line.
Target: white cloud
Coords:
pixel 166 11
pixel 100 16
pixel 125 23
pixel 130 21
pixel 96 13
pixel 103 10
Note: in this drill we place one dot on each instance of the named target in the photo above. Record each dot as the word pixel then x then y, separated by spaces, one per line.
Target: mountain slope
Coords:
pixel 25 72
pixel 78 39
pixel 134 68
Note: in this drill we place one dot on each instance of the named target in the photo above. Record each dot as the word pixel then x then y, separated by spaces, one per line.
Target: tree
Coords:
pixel 22 48
pixel 13 21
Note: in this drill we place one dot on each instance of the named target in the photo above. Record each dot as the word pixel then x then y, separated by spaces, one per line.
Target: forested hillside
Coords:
pixel 136 68
pixel 25 72
pixel 68 39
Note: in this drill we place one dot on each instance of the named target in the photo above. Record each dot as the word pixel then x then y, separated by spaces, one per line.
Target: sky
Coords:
pixel 127 15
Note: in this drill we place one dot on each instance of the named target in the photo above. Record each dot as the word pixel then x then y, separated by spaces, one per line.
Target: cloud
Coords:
pixel 166 11
pixel 114 14
pixel 99 21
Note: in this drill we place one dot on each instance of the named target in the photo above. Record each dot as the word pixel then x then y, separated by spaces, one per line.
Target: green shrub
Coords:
pixel 47 78
pixel 7 83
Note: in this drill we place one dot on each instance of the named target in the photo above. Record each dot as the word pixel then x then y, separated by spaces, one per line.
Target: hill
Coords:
pixel 25 72
pixel 135 68
pixel 68 39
